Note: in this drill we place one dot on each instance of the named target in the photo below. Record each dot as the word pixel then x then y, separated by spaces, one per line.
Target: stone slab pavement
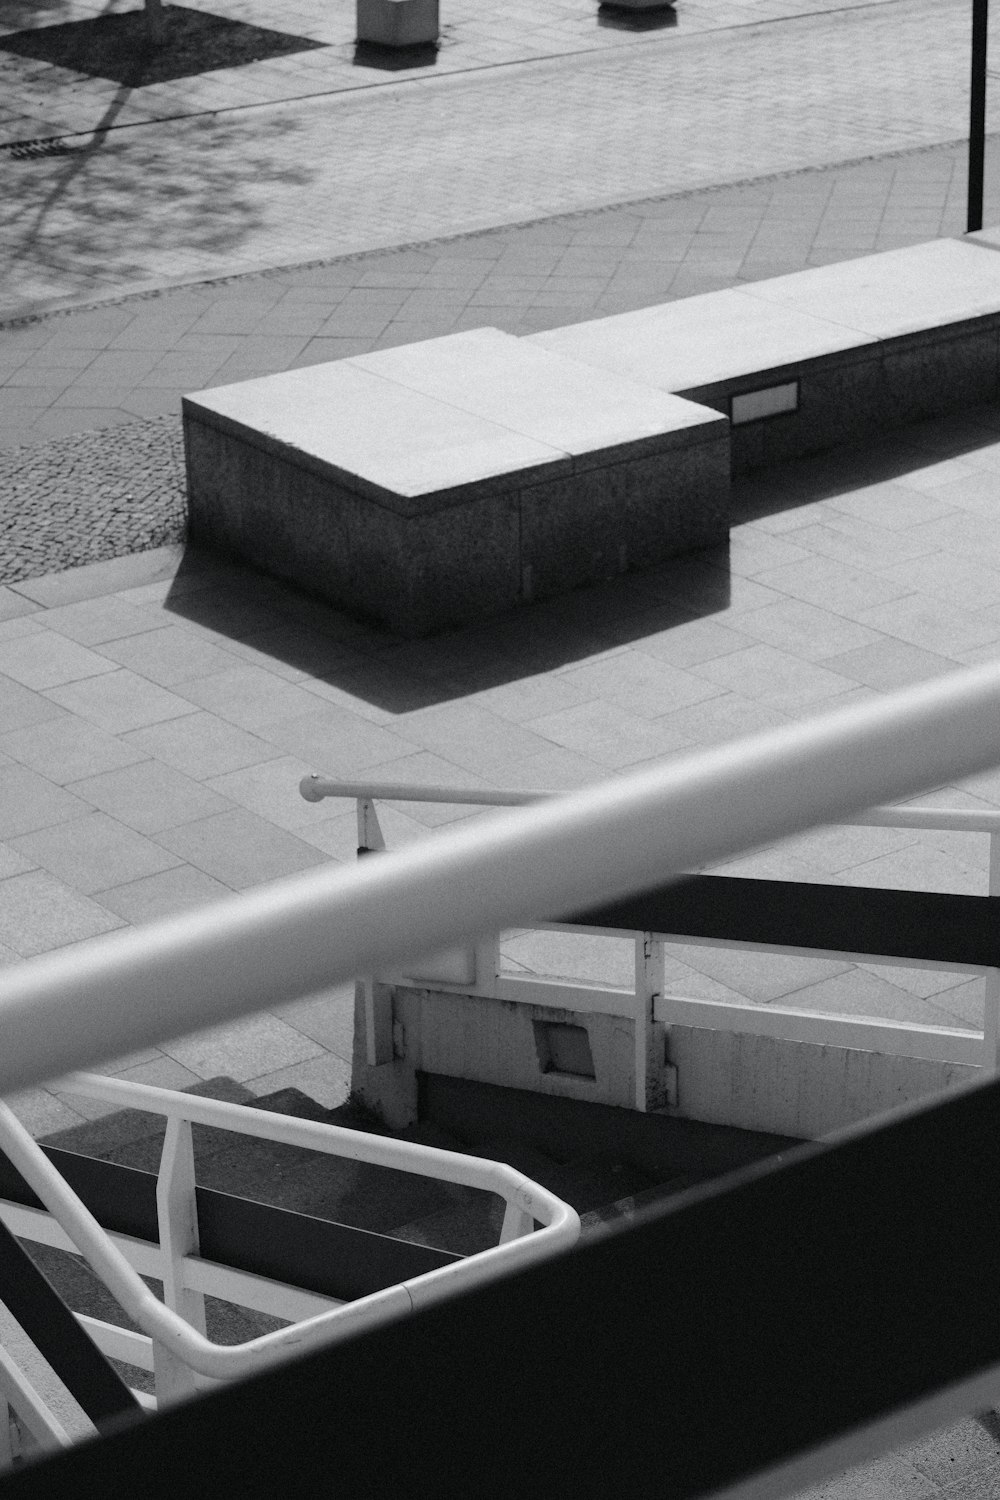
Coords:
pixel 243 188
pixel 41 103
pixel 111 362
pixel 159 710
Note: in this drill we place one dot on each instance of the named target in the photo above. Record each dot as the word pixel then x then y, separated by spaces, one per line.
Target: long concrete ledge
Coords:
pixel 808 361
pixel 454 478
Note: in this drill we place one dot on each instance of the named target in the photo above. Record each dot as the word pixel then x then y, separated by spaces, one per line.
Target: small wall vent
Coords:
pixel 769 401
pixel 563 1048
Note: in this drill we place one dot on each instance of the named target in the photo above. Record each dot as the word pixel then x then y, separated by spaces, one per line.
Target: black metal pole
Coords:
pixel 977 115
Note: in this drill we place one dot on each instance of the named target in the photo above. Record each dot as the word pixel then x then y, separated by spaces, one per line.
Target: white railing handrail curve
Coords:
pixel 228 1362
pixel 303 934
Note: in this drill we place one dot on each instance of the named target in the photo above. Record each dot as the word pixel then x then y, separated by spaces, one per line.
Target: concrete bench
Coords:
pixel 807 361
pixel 446 480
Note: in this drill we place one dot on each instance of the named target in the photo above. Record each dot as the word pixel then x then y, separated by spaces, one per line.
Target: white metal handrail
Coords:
pixel 526 864
pixel 483 975
pixel 315 788
pixel 526 1202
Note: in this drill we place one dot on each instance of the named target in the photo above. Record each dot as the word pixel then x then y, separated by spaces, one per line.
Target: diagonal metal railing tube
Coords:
pixel 264 948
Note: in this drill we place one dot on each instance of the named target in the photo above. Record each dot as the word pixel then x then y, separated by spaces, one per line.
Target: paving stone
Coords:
pixel 93 853
pixel 75 581
pixel 250 1048
pixel 175 890
pixel 327 1018
pixel 325 1078
pixel 68 749
pixel 761 977
pixel 150 797
pixel 20 708
pixel 93 621
pixel 167 655
pixel 890 664
pixel 198 745
pixel 240 849
pixel 29 802
pixel 271 789
pixel 609 736
pixel 46 660
pixel 119 700
pixel 918 867
pixel 39 913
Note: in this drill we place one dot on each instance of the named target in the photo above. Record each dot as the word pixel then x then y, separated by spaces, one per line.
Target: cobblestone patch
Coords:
pixel 91 496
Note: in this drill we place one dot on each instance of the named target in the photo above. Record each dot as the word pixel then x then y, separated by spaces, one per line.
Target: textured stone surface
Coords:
pixel 90 496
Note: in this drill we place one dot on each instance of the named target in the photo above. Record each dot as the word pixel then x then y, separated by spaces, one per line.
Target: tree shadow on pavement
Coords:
pixel 116 45
pixel 130 205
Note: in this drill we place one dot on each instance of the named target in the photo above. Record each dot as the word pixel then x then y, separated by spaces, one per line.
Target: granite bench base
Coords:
pixel 430 485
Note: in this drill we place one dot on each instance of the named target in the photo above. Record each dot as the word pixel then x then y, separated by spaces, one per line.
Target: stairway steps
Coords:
pixel 287 1177
pixel 112 1133
pixel 290 1177
pixel 465 1229
pixel 605 1186
pixel 610 1214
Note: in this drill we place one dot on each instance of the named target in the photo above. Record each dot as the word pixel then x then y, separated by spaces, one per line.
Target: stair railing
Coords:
pixel 176 1327
pixel 526 865
pixel 520 866
pixel 477 969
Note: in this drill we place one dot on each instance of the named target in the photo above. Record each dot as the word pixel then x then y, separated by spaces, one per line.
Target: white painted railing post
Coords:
pixel 487 951
pixel 516 1221
pixel 370 835
pixel 6 1436
pixel 177 1214
pixel 991 987
pixel 375 998
pixel 649 974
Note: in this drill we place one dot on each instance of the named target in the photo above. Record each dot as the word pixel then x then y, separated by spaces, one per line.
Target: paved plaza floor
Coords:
pixel 229 187
pixel 550 164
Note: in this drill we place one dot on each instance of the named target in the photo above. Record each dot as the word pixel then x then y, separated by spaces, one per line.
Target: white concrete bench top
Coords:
pixel 765 325
pixel 473 408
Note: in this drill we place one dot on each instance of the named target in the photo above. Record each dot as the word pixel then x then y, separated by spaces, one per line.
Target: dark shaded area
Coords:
pixel 352 655
pixel 909 925
pixel 317 1254
pixel 59 1338
pixel 767 1314
pixel 623 18
pixel 117 47
pixel 84 1292
pixel 879 460
pixel 395 59
pixel 570 1131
